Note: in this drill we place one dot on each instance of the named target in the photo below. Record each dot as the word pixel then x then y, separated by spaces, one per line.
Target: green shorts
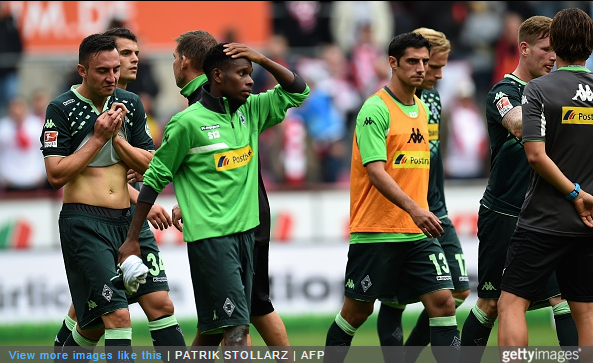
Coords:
pixel 494 233
pixel 453 251
pixel 156 279
pixel 90 243
pixel 397 272
pixel 222 273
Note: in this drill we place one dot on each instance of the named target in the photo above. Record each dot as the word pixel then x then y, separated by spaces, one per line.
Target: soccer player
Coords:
pixel 153 296
pixel 92 135
pixel 187 68
pixel 554 232
pixel 209 151
pixel 393 250
pixel 505 191
pixel 389 322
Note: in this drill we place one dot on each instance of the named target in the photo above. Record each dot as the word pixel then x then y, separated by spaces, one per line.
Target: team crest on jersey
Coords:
pixel 503 106
pixel 241 117
pixel 50 139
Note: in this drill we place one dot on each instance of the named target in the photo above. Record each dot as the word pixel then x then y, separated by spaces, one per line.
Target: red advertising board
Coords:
pixel 50 27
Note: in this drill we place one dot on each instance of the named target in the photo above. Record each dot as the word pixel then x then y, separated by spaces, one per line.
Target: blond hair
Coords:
pixel 438 40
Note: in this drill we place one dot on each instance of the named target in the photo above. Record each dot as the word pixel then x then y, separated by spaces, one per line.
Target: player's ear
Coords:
pixel 217 75
pixel 82 71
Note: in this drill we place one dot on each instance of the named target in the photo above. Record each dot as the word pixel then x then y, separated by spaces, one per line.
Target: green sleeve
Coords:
pixel 170 155
pixel 373 122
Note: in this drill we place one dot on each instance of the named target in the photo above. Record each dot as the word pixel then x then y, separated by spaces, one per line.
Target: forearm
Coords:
pixel 392 191
pixel 135 158
pixel 546 168
pixel 60 170
pixel 283 76
pixel 133 194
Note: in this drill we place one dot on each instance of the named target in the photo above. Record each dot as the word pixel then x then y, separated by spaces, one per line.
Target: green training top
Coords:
pixel 210 155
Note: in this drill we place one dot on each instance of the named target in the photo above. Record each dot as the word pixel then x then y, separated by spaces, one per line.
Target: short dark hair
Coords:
pixel 216 58
pixel 402 41
pixel 92 45
pixel 195 45
pixel 121 33
pixel 571 34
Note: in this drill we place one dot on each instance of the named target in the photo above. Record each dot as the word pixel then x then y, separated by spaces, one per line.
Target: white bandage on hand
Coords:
pixel 134 273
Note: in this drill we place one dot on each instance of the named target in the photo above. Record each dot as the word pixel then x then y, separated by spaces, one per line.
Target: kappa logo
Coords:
pixel 91 304
pixel 500 95
pixel 214 315
pixel 350 284
pixel 488 286
pixel 584 93
pixel 416 136
pixel 368 121
pixel 49 123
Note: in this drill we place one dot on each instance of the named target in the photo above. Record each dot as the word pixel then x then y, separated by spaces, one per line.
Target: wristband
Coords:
pixel 573 194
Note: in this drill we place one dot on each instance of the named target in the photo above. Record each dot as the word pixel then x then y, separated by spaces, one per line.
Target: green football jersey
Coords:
pixel 210 155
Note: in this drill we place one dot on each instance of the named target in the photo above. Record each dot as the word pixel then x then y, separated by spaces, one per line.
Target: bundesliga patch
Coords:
pixel 503 106
pixel 50 139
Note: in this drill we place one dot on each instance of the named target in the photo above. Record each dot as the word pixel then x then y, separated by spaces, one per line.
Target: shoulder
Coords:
pixel 63 100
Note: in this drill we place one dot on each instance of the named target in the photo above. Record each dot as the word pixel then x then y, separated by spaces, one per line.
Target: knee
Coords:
pixel 156 305
pixel 440 304
pixel 117 319
pixel 461 295
pixel 236 335
pixel 488 306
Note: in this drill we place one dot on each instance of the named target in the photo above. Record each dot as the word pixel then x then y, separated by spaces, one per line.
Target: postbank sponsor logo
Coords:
pixel 433 131
pixel 576 115
pixel 232 159
pixel 411 159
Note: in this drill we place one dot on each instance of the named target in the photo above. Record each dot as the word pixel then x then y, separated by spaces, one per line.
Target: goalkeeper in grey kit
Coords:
pixel 209 152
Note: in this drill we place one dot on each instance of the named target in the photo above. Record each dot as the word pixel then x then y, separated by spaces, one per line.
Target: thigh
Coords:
pixel 494 233
pixel 574 271
pixel 426 270
pixel 531 259
pixel 373 269
pixel 222 274
pixel 90 249
pixel 450 243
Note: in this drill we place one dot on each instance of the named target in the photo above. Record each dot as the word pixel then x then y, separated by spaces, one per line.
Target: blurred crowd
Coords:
pixel 340 49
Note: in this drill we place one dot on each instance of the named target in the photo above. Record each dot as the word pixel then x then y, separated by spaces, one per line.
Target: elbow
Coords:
pixel 56 183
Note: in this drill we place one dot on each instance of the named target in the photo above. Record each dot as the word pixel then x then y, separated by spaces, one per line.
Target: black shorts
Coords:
pixel 534 256
pixel 452 248
pixel 222 275
pixel 396 272
pixel 90 237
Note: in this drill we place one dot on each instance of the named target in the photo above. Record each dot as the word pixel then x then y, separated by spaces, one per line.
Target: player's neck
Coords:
pixel 563 63
pixel 122 85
